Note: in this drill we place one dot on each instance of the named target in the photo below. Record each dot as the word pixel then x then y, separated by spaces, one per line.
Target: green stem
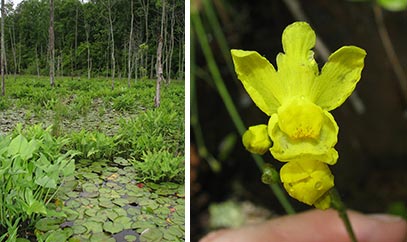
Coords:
pixel 196 127
pixel 219 36
pixel 336 203
pixel 227 100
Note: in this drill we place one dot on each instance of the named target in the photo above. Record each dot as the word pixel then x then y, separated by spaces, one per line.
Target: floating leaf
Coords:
pixel 130 238
pixel 151 235
pixel 47 224
pixel 123 220
pixel 113 227
pixel 79 229
pixel 121 161
pixel 98 237
pixel 93 226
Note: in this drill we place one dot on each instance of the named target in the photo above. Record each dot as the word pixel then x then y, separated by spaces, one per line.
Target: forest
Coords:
pixel 94 37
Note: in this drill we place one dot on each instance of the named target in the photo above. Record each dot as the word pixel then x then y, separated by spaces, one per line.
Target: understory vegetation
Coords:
pixel 82 162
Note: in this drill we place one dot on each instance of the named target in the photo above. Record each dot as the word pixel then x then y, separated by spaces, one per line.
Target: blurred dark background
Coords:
pixel 371 173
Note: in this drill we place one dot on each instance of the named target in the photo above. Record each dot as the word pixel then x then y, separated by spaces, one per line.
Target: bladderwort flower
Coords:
pixel 298 98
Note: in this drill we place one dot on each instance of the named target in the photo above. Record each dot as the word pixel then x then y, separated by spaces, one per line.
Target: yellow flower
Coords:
pixel 308 182
pixel 256 139
pixel 297 97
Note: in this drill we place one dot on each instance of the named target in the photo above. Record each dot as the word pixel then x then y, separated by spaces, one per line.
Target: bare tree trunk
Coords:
pixel 159 65
pixel 181 61
pixel 135 63
pixel 171 50
pixel 87 30
pixel 130 45
pixel 152 64
pixel 13 50
pixel 145 5
pixel 51 43
pixel 3 50
pixel 112 42
pixel 37 61
pixel 76 38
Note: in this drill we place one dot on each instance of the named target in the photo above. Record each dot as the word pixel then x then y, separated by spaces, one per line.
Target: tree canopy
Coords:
pixel 83 37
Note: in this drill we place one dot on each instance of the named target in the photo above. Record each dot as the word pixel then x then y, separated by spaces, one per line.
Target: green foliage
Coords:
pixel 31 170
pixel 152 130
pixel 124 103
pixel 4 104
pixel 82 104
pixel 93 145
pixel 160 166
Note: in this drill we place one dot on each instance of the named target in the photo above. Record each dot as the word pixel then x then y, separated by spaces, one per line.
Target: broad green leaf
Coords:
pixel 151 235
pixel 113 227
pixel 17 144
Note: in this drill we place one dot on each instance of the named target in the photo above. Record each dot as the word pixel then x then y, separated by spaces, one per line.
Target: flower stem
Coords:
pixel 336 203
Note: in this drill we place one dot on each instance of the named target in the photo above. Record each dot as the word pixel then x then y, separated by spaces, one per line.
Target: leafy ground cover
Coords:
pixel 125 180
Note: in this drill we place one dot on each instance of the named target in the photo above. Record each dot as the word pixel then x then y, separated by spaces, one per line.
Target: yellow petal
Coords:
pixel 324 202
pixel 256 139
pixel 259 78
pixel 339 77
pixel 300 118
pixel 297 67
pixel 321 149
pixel 306 181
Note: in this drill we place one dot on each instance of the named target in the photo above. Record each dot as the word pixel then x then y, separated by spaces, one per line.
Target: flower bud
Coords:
pixel 270 175
pixel 256 139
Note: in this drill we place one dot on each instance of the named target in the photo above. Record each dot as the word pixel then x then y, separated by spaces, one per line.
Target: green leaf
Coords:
pixel 17 144
pixel 36 207
pixel 151 235
pixel 47 224
pixel 113 227
pixel 59 235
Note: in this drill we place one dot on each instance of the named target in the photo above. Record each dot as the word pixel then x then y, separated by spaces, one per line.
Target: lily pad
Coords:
pixel 113 227
pixel 130 238
pixel 47 224
pixel 120 211
pixel 94 227
pixel 87 187
pixel 123 220
pixel 97 237
pixel 151 235
pixel 141 225
pixel 121 161
pixel 60 235
pixel 120 202
pixel 79 229
pixel 105 202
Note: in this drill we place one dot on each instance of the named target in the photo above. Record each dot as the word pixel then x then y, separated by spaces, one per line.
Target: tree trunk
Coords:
pixel 159 65
pixel 37 61
pixel 51 44
pixel 87 30
pixel 112 42
pixel 130 45
pixel 3 50
pixel 145 4
pixel 13 49
pixel 171 50
pixel 76 39
pixel 152 64
pixel 182 61
pixel 136 60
